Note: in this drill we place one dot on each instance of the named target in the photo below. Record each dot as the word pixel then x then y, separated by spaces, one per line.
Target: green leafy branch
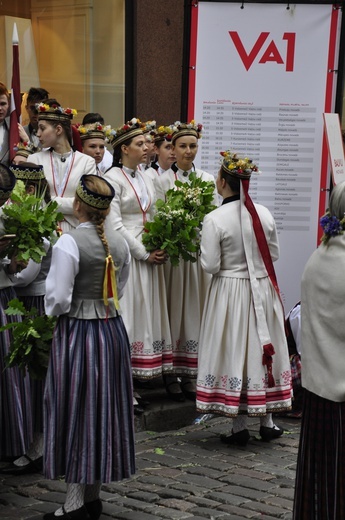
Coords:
pixel 31 339
pixel 30 222
pixel 176 225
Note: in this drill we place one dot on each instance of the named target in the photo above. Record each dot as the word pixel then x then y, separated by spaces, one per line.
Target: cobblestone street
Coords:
pixel 182 474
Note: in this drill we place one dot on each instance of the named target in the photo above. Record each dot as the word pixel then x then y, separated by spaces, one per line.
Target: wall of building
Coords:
pixel 158 56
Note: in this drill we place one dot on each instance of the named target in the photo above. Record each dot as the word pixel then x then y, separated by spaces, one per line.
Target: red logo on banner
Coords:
pixel 271 52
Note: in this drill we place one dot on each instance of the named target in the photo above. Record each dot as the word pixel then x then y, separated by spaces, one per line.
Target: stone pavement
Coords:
pixel 184 473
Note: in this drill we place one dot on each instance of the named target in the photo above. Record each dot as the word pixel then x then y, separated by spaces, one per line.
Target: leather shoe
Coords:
pixel 187 388
pixel 240 438
pixel 267 434
pixel 78 514
pixel 33 466
pixel 171 387
pixel 94 509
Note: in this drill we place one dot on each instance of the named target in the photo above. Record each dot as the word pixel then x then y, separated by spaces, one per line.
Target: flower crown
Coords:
pixel 126 131
pixel 55 110
pixel 149 126
pixel 191 128
pixel 92 130
pixel 237 166
pixel 331 226
pixel 25 148
pixel 164 133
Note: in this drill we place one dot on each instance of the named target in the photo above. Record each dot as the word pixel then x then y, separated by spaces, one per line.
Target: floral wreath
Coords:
pixel 164 132
pixel 106 130
pixel 127 127
pixel 180 127
pixel 149 126
pixel 55 109
pixel 25 148
pixel 237 165
pixel 331 226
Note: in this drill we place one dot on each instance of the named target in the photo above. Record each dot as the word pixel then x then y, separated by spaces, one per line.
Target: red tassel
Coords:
pixel 268 351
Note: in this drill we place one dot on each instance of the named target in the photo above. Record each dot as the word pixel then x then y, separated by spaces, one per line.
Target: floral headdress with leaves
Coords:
pixel 130 129
pixel 241 167
pixel 54 112
pixel 95 130
pixel 181 129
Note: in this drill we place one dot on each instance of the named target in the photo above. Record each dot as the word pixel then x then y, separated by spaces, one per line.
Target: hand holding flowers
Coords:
pixel 176 226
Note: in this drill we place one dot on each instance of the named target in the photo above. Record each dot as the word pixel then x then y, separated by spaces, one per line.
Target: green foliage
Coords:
pixel 176 225
pixel 32 337
pixel 30 222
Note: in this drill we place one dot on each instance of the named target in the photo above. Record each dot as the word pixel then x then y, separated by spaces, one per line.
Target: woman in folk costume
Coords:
pixel 62 166
pixel 164 154
pixel 89 431
pixel 93 140
pixel 320 473
pixel 243 367
pixel 15 404
pixel 29 286
pixel 144 301
pixel 187 283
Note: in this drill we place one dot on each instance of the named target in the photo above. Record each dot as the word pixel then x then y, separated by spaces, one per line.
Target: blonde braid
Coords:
pixel 98 219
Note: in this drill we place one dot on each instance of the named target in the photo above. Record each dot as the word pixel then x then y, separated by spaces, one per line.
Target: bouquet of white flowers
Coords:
pixel 176 225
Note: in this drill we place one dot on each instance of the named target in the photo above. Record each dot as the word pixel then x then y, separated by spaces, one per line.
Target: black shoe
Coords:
pixel 94 509
pixel 33 466
pixel 175 396
pixel 78 514
pixel 240 438
pixel 267 434
pixel 190 394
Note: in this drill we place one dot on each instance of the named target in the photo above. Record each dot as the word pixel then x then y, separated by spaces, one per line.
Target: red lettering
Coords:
pixel 248 59
pixel 271 54
pixel 290 51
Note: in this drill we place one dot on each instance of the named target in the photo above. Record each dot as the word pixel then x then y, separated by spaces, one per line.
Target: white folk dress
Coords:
pixel 63 178
pixel 231 376
pixel 144 303
pixel 187 285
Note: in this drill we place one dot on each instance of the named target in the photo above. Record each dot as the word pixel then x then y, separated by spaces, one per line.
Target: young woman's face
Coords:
pixel 165 155
pixel 3 107
pixel 185 149
pixel 47 134
pixel 94 148
pixel 136 151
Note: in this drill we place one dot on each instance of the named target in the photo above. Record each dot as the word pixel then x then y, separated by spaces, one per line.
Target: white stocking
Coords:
pixel 74 498
pixel 239 423
pixel 267 421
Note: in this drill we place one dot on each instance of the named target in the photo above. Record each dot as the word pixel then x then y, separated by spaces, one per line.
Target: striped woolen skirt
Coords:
pixel 320 475
pixel 88 403
pixel 37 386
pixel 15 405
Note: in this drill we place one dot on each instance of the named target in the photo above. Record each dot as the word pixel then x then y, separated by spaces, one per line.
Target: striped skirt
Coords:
pixel 15 405
pixel 320 475
pixel 88 410
pixel 37 386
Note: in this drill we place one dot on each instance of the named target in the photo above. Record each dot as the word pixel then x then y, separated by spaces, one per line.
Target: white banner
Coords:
pixel 335 147
pixel 263 77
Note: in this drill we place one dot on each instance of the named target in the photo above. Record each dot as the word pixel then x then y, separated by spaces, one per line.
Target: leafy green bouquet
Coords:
pixel 30 222
pixel 176 225
pixel 32 338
